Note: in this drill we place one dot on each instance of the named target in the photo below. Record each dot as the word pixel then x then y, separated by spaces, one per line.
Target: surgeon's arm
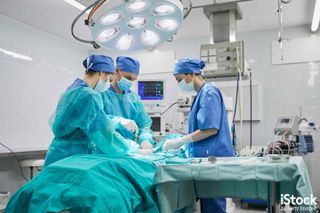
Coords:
pixel 145 134
pixel 197 135
pixel 203 134
pixel 144 122
pixel 126 127
pixel 98 126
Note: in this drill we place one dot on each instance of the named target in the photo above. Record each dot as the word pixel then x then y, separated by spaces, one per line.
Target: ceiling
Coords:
pixel 56 16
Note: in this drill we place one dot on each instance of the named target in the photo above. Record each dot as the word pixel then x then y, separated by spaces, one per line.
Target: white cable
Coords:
pixel 240 99
pixel 286 142
pixel 278 147
pixel 283 139
pixel 241 110
pixel 274 141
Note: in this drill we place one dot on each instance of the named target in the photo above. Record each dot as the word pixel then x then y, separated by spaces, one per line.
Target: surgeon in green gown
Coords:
pixel 119 100
pixel 80 125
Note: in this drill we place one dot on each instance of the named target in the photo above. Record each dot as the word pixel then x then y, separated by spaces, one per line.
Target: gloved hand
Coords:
pixel 145 152
pixel 146 145
pixel 129 125
pixel 176 143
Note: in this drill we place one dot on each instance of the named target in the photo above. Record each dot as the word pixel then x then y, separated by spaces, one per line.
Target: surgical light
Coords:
pixel 149 38
pixel 316 17
pixel 125 42
pixel 137 22
pixel 137 6
pixel 167 24
pixel 164 9
pixel 110 19
pixel 107 34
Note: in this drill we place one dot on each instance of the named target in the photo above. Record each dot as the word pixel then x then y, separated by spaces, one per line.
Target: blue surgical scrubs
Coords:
pixel 208 112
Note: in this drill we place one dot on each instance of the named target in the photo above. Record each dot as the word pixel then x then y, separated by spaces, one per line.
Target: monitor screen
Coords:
pixel 156 124
pixel 151 90
pixel 285 120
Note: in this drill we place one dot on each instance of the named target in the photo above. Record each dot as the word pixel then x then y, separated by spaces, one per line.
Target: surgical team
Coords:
pixel 100 114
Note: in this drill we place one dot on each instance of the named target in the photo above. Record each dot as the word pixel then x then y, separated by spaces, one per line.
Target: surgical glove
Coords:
pixel 145 151
pixel 146 145
pixel 129 125
pixel 176 143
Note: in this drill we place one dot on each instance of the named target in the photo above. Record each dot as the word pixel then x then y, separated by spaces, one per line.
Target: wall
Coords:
pixel 30 85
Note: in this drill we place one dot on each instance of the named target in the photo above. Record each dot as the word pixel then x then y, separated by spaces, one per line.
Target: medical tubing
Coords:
pixel 169 107
pixel 179 131
pixel 15 156
pixel 274 141
pixel 283 139
pixel 288 144
pixel 241 112
pixel 250 110
pixel 241 100
pixel 235 112
pixel 236 101
pixel 94 9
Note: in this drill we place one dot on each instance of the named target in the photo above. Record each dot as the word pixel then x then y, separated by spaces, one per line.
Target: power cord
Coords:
pixel 15 156
pixel 250 110
pixel 169 108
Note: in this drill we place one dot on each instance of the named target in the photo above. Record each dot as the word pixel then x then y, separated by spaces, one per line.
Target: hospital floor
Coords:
pixel 240 208
pixel 249 210
pixel 244 208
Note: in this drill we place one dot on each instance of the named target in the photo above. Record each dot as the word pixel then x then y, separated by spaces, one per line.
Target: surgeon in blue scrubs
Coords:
pixel 209 133
pixel 121 102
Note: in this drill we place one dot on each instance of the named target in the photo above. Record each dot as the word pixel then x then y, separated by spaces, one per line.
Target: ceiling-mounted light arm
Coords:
pixel 280 24
pixel 186 14
pixel 280 19
pixel 89 20
pixel 189 8
pixel 95 45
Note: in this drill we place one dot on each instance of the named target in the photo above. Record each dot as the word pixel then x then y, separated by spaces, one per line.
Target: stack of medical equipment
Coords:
pixel 293 136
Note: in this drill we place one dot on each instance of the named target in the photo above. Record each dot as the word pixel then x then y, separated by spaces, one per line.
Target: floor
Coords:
pixel 240 208
pixel 249 210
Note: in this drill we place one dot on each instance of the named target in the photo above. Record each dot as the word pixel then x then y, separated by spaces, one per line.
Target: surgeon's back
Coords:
pixel 75 117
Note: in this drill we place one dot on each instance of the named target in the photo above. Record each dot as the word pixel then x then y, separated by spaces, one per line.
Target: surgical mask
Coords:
pixel 102 85
pixel 124 84
pixel 186 87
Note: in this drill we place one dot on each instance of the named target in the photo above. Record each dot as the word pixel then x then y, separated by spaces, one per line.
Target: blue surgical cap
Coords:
pixel 128 64
pixel 189 66
pixel 99 63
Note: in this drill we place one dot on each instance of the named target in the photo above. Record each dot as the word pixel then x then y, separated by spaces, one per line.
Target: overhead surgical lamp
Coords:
pixel 316 17
pixel 131 25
